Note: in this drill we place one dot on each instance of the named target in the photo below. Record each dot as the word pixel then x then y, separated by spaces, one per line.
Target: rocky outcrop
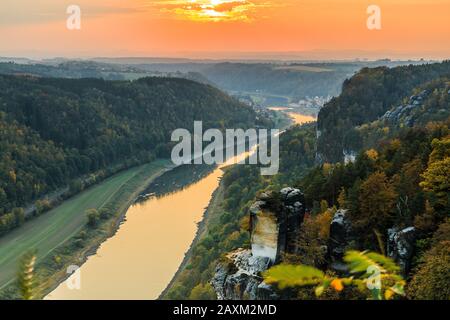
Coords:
pixel 405 113
pixel 340 230
pixel 349 156
pixel 275 220
pixel 239 277
pixel 400 246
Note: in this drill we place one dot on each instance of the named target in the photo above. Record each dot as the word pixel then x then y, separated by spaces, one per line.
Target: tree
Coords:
pixel 19 215
pixel 323 206
pixel 75 186
pixel 202 292
pixel 441 149
pixel 431 281
pixel 342 199
pixel 372 154
pixel 426 222
pixel 313 238
pixel 411 198
pixel 93 217
pixel 376 205
pixel 42 206
pixel 436 181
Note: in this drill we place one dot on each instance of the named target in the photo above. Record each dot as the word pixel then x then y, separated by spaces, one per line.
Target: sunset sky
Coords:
pixel 225 28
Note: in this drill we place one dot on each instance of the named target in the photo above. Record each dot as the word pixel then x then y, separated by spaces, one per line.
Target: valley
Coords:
pixel 145 244
pixel 207 157
pixel 155 240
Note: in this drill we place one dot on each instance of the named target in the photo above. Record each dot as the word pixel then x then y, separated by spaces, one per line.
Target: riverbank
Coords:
pixel 62 236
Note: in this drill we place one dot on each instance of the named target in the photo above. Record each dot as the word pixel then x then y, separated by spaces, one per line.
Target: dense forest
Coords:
pixel 289 80
pixel 294 81
pixel 276 82
pixel 65 70
pixel 76 69
pixel 365 97
pixel 56 130
pixel 400 182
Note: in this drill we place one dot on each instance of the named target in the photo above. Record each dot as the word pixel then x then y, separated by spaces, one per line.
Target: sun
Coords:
pixel 215 10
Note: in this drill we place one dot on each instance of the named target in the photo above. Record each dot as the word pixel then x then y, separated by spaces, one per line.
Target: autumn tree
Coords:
pixel 313 237
pixel 436 179
pixel 376 205
pixel 433 275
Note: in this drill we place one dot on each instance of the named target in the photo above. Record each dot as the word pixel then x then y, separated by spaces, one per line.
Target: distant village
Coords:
pixel 308 105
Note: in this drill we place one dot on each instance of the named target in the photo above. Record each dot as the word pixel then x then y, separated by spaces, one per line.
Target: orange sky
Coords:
pixel 215 28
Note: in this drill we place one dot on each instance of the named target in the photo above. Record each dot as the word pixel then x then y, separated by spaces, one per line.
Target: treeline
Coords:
pixel 69 69
pixel 56 130
pixel 365 97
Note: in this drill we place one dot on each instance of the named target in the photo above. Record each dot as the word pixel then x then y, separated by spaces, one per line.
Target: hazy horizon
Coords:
pixel 306 56
pixel 226 29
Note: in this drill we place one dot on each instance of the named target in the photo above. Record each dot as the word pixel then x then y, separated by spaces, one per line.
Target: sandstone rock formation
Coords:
pixel 340 230
pixel 400 246
pixel 405 113
pixel 239 277
pixel 275 221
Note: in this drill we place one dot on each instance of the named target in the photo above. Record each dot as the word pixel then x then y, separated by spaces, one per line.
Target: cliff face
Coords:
pixel 400 246
pixel 275 222
pixel 275 225
pixel 238 277
pixel 405 113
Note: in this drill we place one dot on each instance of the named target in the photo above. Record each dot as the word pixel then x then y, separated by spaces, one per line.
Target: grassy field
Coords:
pixel 54 228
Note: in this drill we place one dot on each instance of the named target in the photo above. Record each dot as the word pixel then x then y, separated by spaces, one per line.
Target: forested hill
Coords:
pixel 391 198
pixel 54 130
pixel 365 97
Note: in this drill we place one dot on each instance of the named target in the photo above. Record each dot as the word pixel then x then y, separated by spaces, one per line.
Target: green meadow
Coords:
pixel 51 230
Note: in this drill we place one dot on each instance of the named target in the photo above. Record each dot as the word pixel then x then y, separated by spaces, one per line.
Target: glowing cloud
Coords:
pixel 212 10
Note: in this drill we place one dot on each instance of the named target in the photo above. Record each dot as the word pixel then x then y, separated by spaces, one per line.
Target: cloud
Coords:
pixel 23 12
pixel 212 10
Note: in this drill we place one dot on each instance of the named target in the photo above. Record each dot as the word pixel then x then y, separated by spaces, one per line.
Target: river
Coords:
pixel 296 117
pixel 142 257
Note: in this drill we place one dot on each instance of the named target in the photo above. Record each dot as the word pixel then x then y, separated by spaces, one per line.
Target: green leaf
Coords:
pixel 293 275
pixel 359 262
pixel 387 263
pixel 319 290
pixel 398 288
